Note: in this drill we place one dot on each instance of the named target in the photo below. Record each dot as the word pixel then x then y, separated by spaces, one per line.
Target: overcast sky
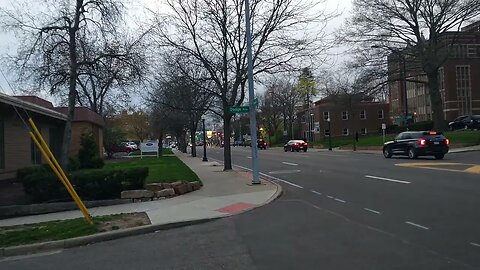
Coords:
pixel 136 12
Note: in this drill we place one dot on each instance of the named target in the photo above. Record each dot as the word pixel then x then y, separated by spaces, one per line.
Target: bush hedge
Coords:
pixel 96 184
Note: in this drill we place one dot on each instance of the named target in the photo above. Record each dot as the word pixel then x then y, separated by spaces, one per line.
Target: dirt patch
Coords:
pixel 124 221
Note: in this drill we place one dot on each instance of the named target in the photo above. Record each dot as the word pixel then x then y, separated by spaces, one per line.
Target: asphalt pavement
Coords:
pixel 339 210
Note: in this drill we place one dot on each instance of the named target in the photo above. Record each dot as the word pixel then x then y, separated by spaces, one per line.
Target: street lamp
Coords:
pixel 204 142
pixel 329 135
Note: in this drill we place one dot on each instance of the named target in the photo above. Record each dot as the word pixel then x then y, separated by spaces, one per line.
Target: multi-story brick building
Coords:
pixel 459 80
pixel 346 117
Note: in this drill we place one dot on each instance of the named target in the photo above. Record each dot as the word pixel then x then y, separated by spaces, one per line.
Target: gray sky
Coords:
pixel 136 12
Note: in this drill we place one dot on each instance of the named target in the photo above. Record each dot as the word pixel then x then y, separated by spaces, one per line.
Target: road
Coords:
pixel 340 210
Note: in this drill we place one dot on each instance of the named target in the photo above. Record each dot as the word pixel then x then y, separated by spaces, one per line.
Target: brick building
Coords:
pixel 346 117
pixel 459 82
pixel 17 149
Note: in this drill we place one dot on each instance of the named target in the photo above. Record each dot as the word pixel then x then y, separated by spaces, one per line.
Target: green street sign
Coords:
pixel 239 109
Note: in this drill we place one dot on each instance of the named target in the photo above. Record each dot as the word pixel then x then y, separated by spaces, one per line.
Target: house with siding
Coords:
pixel 17 150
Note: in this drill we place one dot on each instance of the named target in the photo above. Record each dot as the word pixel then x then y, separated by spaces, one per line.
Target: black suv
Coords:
pixel 465 122
pixel 417 143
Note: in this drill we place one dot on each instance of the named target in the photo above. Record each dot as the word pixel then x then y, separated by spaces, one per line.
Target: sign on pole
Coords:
pixel 239 109
pixel 149 147
pixel 316 127
pixel 384 126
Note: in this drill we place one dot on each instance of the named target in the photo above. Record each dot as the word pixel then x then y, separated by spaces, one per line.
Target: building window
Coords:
pixel 380 114
pixel 326 116
pixel 345 132
pixel 326 132
pixel 363 115
pixel 344 115
pixel 464 90
pixel 2 145
pixel 364 131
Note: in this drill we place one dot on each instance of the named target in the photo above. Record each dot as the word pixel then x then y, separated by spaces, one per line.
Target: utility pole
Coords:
pixel 251 97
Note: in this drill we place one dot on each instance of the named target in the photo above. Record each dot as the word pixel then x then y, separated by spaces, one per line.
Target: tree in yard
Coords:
pixel 212 34
pixel 134 123
pixel 182 87
pixel 49 52
pixel 306 87
pixel 421 32
pixel 271 110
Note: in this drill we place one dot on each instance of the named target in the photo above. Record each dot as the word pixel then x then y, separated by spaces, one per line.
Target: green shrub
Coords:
pixel 88 152
pixel 73 164
pixel 97 162
pixel 22 173
pixel 96 184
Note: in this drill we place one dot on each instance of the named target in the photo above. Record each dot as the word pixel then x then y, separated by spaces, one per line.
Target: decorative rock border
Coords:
pixel 156 191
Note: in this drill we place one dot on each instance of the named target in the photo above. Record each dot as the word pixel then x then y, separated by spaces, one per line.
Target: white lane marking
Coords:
pixel 387 179
pixel 316 192
pixel 338 200
pixel 330 197
pixel 249 157
pixel 474 244
pixel 288 163
pixel 371 210
pixel 417 225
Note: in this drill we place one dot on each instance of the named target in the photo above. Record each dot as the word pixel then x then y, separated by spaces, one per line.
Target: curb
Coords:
pixel 95 238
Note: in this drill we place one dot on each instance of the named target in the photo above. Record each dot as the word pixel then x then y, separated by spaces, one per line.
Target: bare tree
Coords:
pixel 212 34
pixel 50 40
pixel 421 31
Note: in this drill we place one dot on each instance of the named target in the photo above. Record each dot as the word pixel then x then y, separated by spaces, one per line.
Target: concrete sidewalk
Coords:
pixel 223 194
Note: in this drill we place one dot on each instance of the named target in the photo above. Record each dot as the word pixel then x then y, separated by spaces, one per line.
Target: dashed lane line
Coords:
pixel 372 211
pixel 474 244
pixel 316 192
pixel 417 225
pixel 387 179
pixel 289 163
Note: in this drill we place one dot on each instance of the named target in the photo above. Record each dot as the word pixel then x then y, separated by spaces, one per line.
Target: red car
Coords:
pixel 295 145
pixel 261 144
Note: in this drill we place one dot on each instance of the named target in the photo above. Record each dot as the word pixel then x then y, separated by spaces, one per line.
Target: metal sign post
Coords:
pixel 384 126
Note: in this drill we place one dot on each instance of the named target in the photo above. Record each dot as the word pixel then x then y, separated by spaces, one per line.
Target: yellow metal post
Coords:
pixel 41 144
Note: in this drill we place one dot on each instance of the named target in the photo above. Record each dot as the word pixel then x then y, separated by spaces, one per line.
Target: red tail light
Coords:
pixel 422 141
pixel 447 141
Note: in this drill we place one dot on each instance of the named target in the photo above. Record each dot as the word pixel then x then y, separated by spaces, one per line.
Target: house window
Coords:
pixel 364 131
pixel 380 114
pixel 326 116
pixel 2 145
pixel 464 90
pixel 35 154
pixel 345 132
pixel 344 115
pixel 363 115
pixel 326 132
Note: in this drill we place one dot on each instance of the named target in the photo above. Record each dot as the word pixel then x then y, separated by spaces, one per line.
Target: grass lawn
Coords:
pixel 163 169
pixel 457 138
pixel 64 229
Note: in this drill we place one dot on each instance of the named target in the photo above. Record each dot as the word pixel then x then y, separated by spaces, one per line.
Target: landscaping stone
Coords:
pixel 165 192
pixel 181 188
pixel 196 185
pixel 167 185
pixel 154 187
pixel 190 187
pixel 177 183
pixel 137 194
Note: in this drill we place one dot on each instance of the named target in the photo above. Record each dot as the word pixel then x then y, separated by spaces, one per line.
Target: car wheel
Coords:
pixel 291 150
pixel 411 153
pixel 465 127
pixel 298 150
pixel 305 150
pixel 451 128
pixel 439 156
pixel 387 152
pixel 285 149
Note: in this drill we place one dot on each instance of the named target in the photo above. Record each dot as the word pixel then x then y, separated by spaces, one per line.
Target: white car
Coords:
pixel 132 145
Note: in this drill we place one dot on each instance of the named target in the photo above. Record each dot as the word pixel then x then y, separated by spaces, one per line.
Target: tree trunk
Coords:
pixel 194 142
pixel 160 142
pixel 438 118
pixel 227 156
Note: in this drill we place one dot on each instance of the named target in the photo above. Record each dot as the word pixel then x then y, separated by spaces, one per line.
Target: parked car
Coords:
pixel 295 145
pixel 132 145
pixel 417 143
pixel 261 144
pixel 465 122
